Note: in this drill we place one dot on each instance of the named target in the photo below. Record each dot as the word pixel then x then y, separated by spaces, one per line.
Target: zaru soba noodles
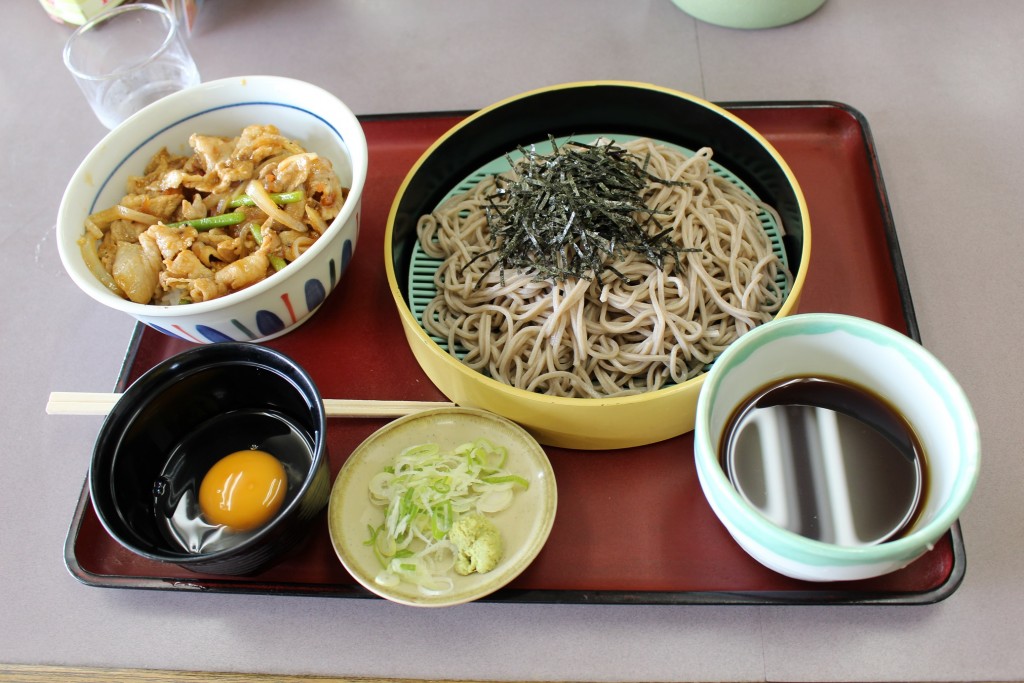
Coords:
pixel 582 314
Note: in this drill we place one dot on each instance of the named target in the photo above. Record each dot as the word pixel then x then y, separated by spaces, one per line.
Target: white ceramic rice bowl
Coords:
pixel 867 354
pixel 318 120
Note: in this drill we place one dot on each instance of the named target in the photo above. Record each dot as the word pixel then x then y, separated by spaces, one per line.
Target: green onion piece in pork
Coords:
pixel 277 197
pixel 210 222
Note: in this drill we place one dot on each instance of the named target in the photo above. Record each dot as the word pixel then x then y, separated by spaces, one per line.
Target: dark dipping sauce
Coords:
pixel 826 459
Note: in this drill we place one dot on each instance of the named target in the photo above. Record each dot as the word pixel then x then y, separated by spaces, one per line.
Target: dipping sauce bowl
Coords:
pixel 796 510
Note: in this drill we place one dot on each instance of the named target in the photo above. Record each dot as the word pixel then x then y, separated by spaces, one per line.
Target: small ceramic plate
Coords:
pixel 524 526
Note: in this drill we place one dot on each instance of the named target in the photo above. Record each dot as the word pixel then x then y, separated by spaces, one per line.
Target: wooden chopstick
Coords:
pixel 80 403
pixel 94 403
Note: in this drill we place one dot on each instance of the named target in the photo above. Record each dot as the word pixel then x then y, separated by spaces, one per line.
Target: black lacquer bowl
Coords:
pixel 134 482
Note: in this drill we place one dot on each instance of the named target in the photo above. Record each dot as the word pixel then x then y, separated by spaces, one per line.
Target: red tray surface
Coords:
pixel 632 525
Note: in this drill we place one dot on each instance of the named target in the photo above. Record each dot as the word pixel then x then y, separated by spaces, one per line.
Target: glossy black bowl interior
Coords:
pixel 592 108
pixel 163 406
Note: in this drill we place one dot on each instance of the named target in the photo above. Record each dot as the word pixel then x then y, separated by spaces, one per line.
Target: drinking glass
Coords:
pixel 127 58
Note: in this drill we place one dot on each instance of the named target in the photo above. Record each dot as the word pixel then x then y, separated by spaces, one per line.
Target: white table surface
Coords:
pixel 940 84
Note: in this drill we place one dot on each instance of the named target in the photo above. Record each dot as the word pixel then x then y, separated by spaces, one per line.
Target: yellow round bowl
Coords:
pixel 592 107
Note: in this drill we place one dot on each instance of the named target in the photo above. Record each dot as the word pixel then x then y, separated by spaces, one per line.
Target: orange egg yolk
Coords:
pixel 243 490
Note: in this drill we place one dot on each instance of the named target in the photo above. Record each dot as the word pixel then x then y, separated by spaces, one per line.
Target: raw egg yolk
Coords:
pixel 243 490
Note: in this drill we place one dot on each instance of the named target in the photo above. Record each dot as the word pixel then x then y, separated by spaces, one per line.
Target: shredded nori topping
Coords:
pixel 576 211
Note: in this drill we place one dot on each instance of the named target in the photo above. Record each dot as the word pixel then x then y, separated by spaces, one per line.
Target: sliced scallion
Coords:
pixel 423 493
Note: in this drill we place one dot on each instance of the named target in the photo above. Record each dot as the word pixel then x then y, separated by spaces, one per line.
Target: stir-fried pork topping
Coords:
pixel 186 230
